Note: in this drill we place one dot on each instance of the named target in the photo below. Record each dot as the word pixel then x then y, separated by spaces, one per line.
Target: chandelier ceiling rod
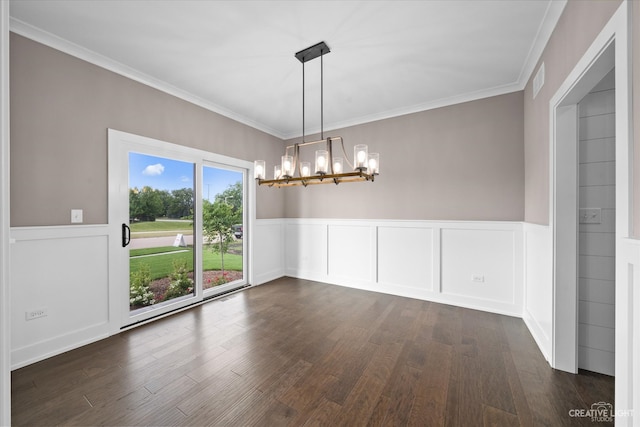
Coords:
pixel 321 96
pixel 303 102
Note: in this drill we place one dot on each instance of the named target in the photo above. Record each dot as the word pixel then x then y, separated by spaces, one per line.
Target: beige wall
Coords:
pixel 61 108
pixel 463 162
pixel 578 26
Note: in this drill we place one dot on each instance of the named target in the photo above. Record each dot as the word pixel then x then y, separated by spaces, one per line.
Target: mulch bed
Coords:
pixel 159 287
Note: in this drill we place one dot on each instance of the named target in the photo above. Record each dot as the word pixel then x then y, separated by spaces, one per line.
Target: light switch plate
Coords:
pixel 76 215
pixel 590 216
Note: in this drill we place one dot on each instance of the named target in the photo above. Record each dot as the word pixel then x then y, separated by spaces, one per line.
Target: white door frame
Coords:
pixel 611 48
pixel 564 223
pixel 5 290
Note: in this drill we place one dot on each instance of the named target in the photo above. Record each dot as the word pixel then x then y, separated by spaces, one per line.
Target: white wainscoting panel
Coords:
pixel 538 285
pixel 306 250
pixel 479 264
pixel 350 249
pixel 268 250
pixel 405 258
pixel 65 271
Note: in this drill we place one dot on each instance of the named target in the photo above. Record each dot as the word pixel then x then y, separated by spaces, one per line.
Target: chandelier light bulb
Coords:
pixel 360 157
pixel 287 166
pixel 305 169
pixel 321 161
pixel 259 169
pixel 374 163
pixel 337 165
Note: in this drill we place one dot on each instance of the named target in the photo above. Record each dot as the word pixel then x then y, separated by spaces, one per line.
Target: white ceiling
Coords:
pixel 237 57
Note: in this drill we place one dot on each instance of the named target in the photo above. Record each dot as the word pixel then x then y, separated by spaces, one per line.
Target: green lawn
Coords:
pixel 162 265
pixel 161 226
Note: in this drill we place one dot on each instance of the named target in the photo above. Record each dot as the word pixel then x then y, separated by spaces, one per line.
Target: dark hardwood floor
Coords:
pixel 294 352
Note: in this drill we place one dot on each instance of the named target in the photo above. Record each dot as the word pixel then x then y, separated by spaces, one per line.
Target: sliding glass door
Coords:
pixel 178 218
pixel 223 247
pixel 161 231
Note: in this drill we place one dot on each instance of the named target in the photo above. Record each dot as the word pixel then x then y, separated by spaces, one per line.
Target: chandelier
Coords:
pixel 328 167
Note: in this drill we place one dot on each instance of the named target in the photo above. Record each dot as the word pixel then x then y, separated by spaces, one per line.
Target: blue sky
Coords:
pixel 167 174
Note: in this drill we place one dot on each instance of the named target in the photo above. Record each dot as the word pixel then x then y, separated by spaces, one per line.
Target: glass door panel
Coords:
pixel 161 251
pixel 223 245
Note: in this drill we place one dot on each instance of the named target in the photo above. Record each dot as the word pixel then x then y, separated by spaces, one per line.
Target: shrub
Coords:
pixel 181 284
pixel 139 293
pixel 221 279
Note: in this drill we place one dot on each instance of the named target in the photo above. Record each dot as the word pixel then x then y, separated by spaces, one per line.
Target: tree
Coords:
pixel 180 204
pixel 135 206
pixel 232 196
pixel 217 223
pixel 145 204
pixel 166 198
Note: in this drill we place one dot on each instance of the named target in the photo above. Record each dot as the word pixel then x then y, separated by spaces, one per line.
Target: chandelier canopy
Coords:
pixel 329 168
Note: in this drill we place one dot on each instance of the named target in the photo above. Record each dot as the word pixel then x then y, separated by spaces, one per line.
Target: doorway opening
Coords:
pixel 596 229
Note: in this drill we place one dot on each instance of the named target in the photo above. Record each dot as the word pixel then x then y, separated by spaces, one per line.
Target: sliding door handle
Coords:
pixel 126 235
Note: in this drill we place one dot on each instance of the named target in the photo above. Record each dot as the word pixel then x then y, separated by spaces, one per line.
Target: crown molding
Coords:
pixel 417 108
pixel 36 34
pixel 548 24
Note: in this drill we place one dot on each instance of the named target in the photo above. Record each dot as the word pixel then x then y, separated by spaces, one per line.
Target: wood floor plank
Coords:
pixel 104 414
pixel 55 410
pixel 380 411
pixel 429 407
pixel 470 406
pixel 262 403
pixel 282 379
pixel 400 393
pixel 452 410
pixel 297 352
pixel 323 414
pixel 423 326
pixel 212 403
pixel 350 371
pixel 361 402
pixel 522 409
pixel 149 411
pixel 494 417
pixel 305 398
pixel 448 326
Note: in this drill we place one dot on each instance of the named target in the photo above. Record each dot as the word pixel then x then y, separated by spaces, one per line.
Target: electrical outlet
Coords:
pixel 477 278
pixel 34 314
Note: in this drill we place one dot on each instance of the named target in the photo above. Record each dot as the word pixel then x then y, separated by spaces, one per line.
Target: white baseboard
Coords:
pixel 47 348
